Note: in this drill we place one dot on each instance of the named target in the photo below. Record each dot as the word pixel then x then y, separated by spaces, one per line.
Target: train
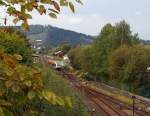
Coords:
pixel 56 64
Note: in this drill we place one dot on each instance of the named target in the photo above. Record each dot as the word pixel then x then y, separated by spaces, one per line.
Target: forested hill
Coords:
pixel 145 42
pixel 53 36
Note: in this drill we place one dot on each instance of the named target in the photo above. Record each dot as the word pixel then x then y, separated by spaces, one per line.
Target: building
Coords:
pixel 37 46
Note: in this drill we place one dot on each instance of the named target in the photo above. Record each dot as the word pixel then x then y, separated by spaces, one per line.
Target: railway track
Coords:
pixel 118 104
pixel 99 103
pixel 104 105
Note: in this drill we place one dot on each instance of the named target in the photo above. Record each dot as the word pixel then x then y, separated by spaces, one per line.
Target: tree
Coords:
pixel 123 33
pixel 74 55
pixel 65 47
pixel 107 30
pixel 14 42
pixel 117 60
pixel 110 38
pixel 135 71
pixel 21 9
pixel 20 84
pixel 128 66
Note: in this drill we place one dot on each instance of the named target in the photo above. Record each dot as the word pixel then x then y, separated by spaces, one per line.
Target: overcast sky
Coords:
pixel 94 14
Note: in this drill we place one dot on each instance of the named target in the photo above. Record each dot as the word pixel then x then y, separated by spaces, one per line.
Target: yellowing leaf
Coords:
pixel 56 5
pixel 79 1
pixel 15 88
pixel 8 83
pixel 42 9
pixel 28 83
pixel 31 94
pixel 1 112
pixel 71 7
pixel 9 72
pixel 16 20
pixel 25 26
pixel 63 3
pixel 60 101
pixel 53 100
pixel 46 1
pixel 68 101
pixel 47 95
pixel 28 16
pixel 54 11
pixel 52 15
pixel 18 57
pixel 29 6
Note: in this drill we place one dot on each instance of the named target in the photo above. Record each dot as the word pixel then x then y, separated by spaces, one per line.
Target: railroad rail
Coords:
pixel 108 105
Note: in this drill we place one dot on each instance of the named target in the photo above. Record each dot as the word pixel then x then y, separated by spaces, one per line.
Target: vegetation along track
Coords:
pixel 102 105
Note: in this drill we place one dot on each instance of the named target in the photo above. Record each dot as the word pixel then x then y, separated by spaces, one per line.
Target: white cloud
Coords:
pixel 74 20
pixel 138 13
pixel 89 24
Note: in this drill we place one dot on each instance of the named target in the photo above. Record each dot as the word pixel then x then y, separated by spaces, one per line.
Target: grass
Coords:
pixel 61 87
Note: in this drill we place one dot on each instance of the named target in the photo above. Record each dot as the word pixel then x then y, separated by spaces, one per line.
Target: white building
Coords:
pixel 37 46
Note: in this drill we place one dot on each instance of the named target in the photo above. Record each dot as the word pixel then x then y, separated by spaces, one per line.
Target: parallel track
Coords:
pixel 100 102
pixel 110 106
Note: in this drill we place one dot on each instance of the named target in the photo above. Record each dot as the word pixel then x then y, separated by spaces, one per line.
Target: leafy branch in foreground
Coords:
pixel 21 9
pixel 20 84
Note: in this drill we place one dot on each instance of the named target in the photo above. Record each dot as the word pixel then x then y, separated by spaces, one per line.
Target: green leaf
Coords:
pixel 29 7
pixel 11 10
pixel 23 8
pixel 31 94
pixel 2 3
pixel 7 112
pixel 4 103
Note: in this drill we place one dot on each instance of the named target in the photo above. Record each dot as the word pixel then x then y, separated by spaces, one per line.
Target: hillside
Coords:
pixel 53 36
pixel 145 42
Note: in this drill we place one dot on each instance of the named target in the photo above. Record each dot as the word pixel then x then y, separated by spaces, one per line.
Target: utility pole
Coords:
pixel 133 98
